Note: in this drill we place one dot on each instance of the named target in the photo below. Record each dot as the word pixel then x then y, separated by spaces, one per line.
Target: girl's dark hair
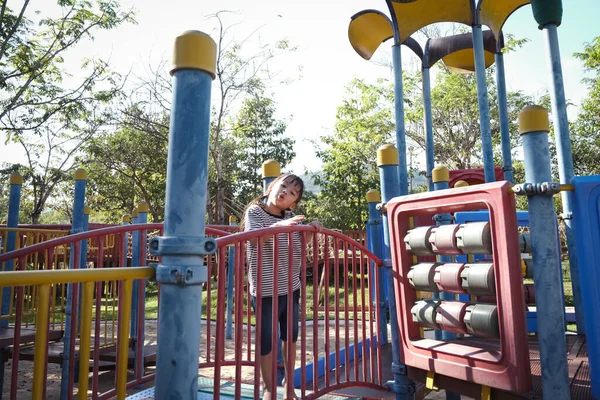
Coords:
pixel 260 201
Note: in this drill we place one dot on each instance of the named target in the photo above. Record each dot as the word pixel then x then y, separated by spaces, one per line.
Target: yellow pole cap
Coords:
pixel 387 154
pixel 143 207
pixel 440 174
pixel 195 50
pixel 135 213
pixel 80 175
pixel 461 183
pixel 533 119
pixel 373 196
pixel 87 210
pixel 16 179
pixel 271 169
pixel 126 218
pixel 232 218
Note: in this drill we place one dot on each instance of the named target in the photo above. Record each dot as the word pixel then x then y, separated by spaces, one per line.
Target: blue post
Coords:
pixel 565 162
pixel 441 178
pixel 399 114
pixel 484 107
pixel 135 262
pixel 387 157
pixel 230 283
pixel 125 220
pixel 503 114
pixel 184 245
pixel 76 227
pixel 534 128
pixel 143 209
pixel 83 257
pixel 429 149
pixel 374 233
pixel 14 201
pixel 271 170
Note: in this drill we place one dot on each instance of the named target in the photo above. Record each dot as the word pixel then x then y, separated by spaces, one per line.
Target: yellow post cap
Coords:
pixel 195 50
pixel 80 175
pixel 16 179
pixel 387 154
pixel 271 169
pixel 373 196
pixel 135 213
pixel 461 183
pixel 143 207
pixel 87 210
pixel 533 119
pixel 232 218
pixel 126 218
pixel 440 174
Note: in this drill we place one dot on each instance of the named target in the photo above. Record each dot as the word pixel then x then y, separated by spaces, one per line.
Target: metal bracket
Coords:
pixel 182 274
pixel 381 207
pixel 566 215
pixel 182 245
pixel 387 263
pixel 543 188
pixel 443 217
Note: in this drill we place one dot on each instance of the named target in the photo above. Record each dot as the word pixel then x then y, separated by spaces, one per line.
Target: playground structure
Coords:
pixel 478 348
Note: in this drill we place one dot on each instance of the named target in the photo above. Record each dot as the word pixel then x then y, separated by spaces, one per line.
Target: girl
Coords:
pixel 275 209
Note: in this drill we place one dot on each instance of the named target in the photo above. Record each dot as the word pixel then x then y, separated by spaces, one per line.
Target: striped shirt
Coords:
pixel 256 217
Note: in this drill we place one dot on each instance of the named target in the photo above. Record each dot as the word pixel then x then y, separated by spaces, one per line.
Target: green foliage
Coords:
pixel 125 168
pixel 585 131
pixel 259 137
pixel 364 122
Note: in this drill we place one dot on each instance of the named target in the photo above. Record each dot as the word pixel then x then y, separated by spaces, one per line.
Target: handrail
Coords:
pixel 89 234
pixel 248 235
pixel 27 278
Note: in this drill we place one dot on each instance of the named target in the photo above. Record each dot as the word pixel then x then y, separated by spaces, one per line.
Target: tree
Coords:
pixel 237 75
pixel 259 137
pixel 585 131
pixel 126 167
pixel 50 113
pixel 365 121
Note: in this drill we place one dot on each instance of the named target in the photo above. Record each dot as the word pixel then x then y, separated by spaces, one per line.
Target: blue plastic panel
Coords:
pixel 586 223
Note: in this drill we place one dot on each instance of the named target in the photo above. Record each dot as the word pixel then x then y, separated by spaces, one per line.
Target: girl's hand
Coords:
pixel 295 220
pixel 318 225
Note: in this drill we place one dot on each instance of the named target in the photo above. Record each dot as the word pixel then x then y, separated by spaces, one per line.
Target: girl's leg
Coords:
pixel 266 366
pixel 289 373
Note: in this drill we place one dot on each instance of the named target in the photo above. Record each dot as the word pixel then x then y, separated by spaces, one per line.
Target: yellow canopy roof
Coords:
pixel 369 28
pixel 463 61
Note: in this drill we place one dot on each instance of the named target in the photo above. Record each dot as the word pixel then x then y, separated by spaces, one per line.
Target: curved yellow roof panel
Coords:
pixel 367 30
pixel 419 13
pixel 494 13
pixel 463 61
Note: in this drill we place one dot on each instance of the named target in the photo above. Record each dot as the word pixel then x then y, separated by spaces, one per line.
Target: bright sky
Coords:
pixel 328 61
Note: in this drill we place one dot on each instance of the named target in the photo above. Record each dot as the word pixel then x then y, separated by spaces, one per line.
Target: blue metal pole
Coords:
pixel 230 283
pixel 83 257
pixel 484 107
pixel 503 114
pixel 387 157
pixel 135 262
pixel 430 157
pixel 271 170
pixel 441 179
pixel 399 114
pixel 76 227
pixel 374 233
pixel 14 201
pixel 534 128
pixel 126 220
pixel 184 245
pixel 141 286
pixel 565 162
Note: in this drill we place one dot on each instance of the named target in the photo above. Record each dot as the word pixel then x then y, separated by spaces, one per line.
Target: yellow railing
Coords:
pixel 43 280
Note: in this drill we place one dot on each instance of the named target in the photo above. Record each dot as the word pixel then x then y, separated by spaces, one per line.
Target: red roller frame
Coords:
pixel 506 368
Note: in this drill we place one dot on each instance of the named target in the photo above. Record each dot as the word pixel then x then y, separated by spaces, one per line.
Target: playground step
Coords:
pixel 227 391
